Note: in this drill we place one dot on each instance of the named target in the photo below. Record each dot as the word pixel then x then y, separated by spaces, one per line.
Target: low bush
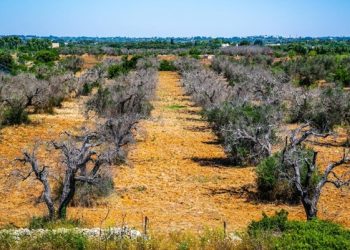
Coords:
pixel 46 56
pixel 7 63
pixel 88 87
pixel 45 223
pixel 166 65
pixel 56 240
pixel 322 109
pixel 274 177
pixel 87 195
pixel 72 63
pixel 116 70
pixel 14 115
pixel 276 232
pixel 246 130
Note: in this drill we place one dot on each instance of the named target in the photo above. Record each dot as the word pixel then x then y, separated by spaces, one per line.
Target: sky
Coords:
pixel 178 18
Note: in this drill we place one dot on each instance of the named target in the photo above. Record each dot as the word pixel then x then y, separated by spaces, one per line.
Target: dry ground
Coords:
pixel 177 174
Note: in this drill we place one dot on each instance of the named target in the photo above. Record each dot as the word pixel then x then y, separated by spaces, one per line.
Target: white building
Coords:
pixel 55 45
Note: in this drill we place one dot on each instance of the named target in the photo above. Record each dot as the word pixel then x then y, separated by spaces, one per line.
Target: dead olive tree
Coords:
pixel 206 88
pixel 81 161
pixel 309 181
pixel 128 94
pixel 250 50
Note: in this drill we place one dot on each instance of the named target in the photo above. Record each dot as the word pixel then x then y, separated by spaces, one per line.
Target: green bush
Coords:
pixel 167 66
pixel 14 115
pixel 46 56
pixel 276 223
pixel 56 240
pixel 284 234
pixel 88 87
pixel 274 178
pixel 7 63
pixel 7 241
pixel 255 120
pixel 45 223
pixel 116 70
pixel 126 65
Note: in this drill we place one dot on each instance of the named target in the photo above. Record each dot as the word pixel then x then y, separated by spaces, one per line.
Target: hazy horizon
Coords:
pixel 221 18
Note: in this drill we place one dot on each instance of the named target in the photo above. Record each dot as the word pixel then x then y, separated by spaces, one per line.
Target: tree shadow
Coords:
pixel 198 128
pixel 216 162
pixel 193 119
pixel 213 142
pixel 247 192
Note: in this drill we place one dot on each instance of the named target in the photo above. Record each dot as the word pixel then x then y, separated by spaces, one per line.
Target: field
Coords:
pixel 197 142
pixel 177 174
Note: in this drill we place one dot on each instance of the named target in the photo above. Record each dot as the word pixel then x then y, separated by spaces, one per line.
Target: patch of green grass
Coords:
pixel 175 107
pixel 44 223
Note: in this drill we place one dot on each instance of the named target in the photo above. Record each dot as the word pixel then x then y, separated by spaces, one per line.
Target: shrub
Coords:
pixel 46 56
pixel 116 70
pixel 274 182
pixel 86 194
pixel 167 66
pixel 322 109
pixel 56 240
pixel 126 65
pixel 246 130
pixel 276 223
pixel 88 87
pixel 7 241
pixel 45 223
pixel 280 233
pixel 73 63
pixel 7 63
pixel 307 70
pixel 14 115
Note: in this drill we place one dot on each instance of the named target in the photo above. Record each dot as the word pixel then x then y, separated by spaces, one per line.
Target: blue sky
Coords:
pixel 136 18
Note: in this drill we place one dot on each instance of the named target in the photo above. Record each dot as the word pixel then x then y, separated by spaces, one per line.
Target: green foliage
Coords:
pixel 166 65
pixel 56 240
pixel 255 120
pixel 14 115
pixel 88 87
pixel 276 223
pixel 258 42
pixel 273 177
pixel 126 65
pixel 7 63
pixel 116 70
pixel 176 107
pixel 45 223
pixel 244 43
pixel 7 241
pixel 46 56
pixel 284 234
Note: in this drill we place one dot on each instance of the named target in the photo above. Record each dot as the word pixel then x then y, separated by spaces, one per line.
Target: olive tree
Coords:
pixel 310 187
